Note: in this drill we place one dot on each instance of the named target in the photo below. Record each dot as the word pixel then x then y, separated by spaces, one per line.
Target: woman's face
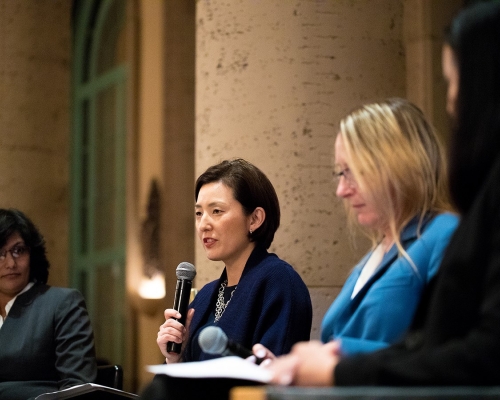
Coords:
pixel 348 189
pixel 450 73
pixel 222 225
pixel 14 272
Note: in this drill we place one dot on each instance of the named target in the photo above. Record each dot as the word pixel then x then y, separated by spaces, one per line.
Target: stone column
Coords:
pixel 424 24
pixel 273 79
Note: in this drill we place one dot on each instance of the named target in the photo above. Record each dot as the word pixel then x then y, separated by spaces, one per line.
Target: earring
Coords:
pixel 251 231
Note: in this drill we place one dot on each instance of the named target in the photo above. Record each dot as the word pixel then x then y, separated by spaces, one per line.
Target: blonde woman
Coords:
pixel 391 175
pixel 453 339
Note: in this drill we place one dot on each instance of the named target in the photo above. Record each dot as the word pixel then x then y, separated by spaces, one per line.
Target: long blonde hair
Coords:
pixel 398 163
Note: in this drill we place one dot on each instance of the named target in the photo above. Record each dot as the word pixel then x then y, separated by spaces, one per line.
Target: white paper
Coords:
pixel 223 367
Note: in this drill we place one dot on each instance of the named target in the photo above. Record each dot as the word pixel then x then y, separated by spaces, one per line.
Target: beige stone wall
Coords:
pixel 165 151
pixel 35 48
pixel 273 79
pixel 149 102
pixel 424 25
pixel 421 45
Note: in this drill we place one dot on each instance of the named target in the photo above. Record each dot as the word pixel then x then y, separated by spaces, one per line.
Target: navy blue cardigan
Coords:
pixel 271 305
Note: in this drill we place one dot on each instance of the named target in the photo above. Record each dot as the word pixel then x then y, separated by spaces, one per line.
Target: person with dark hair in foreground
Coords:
pixel 454 339
pixel 46 340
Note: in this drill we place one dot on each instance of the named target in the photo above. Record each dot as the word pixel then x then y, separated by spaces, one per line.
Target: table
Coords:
pixel 364 393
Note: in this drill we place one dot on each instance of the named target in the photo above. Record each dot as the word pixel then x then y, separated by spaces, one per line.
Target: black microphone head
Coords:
pixel 185 270
pixel 213 340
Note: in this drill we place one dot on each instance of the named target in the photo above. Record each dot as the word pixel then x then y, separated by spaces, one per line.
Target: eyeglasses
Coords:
pixel 16 252
pixel 348 176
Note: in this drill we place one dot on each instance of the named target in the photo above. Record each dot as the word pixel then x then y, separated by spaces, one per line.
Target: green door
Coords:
pixel 97 251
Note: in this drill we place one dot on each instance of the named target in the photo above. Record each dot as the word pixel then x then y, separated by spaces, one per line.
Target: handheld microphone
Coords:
pixel 213 340
pixel 185 274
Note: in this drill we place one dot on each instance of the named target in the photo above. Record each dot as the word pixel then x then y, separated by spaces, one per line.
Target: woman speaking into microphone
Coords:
pixel 259 298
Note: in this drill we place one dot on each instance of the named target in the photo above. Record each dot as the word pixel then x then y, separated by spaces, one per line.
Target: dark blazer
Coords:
pixel 382 311
pixel 455 338
pixel 271 305
pixel 46 343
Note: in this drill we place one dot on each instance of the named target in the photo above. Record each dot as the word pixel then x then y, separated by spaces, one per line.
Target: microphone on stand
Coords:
pixel 185 274
pixel 213 340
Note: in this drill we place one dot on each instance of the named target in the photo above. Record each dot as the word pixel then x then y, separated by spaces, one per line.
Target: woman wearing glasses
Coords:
pixel 454 338
pixel 46 341
pixel 391 175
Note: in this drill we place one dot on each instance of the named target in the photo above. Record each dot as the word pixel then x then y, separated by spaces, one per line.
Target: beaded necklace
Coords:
pixel 221 306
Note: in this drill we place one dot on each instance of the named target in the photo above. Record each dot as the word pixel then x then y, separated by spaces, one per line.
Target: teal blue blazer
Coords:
pixel 382 311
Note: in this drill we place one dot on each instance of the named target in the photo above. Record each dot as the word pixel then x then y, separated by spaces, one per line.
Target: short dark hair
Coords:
pixel 14 221
pixel 252 189
pixel 474 37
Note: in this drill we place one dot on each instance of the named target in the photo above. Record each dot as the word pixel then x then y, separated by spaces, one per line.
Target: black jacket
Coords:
pixel 46 343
